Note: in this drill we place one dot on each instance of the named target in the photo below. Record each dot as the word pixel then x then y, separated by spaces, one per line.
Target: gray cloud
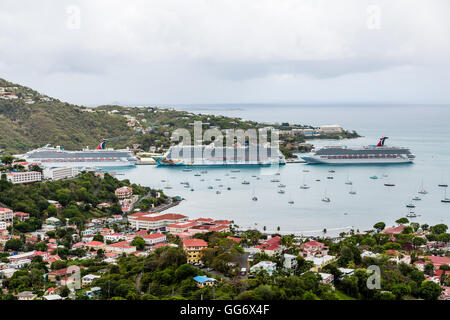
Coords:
pixel 206 51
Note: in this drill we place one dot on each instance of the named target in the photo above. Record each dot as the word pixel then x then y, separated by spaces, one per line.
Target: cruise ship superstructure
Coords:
pixel 374 154
pixel 100 157
pixel 210 155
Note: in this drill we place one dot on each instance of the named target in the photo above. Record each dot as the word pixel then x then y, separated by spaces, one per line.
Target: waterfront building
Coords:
pixel 121 247
pixel 154 220
pixel 58 173
pixel 331 129
pixel 154 238
pixel 24 177
pixel 193 249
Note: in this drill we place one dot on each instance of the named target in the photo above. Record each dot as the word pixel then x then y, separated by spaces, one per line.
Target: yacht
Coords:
pixel 411 215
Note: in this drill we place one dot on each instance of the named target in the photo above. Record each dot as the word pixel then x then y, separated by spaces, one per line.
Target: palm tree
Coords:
pixel 278 228
pixel 324 231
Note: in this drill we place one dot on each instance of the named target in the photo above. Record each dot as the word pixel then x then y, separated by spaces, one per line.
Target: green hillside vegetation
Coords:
pixel 87 189
pixel 27 126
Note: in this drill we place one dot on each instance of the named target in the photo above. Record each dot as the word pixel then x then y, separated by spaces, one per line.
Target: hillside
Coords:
pixel 29 120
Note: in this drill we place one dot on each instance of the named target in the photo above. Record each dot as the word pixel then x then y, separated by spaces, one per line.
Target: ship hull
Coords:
pixel 83 163
pixel 317 160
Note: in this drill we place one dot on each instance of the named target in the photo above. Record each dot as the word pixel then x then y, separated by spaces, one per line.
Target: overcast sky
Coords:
pixel 228 51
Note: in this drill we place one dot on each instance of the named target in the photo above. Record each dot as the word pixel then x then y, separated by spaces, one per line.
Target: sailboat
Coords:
pixel 348 181
pixel 290 199
pixel 304 185
pixel 325 198
pixel 422 190
pixel 446 200
pixel 254 198
pixel 168 186
pixel 443 184
pixel 352 191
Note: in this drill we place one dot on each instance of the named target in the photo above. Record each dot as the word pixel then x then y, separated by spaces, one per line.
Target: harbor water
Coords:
pixel 424 129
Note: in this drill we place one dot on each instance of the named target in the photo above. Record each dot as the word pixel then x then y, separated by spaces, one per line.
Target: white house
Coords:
pixel 268 266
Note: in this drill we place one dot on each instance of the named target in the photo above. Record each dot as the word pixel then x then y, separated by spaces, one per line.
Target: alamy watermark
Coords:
pixel 73 21
pixel 228 147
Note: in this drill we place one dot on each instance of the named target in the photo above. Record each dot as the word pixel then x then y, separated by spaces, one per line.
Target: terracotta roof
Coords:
pixel 95 243
pixel 195 243
pixel 153 236
pixel 146 216
pixel 395 230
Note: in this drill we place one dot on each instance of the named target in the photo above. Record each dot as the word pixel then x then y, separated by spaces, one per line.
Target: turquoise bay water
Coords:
pixel 424 129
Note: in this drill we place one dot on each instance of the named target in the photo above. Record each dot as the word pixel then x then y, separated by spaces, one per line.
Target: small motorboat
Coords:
pixel 291 202
pixel 228 188
pixel 416 198
pixel 389 185
pixel 192 189
pixel 326 199
pixel 411 215
pixel 218 192
pixel 245 182
pixel 304 186
pixel 410 205
pixel 373 177
pixel 281 185
pixel 349 183
pixel 210 187
pixel 317 179
pixel 330 177
pixel 274 180
pixel 352 192
pixel 255 199
pixel 281 191
pixel 443 185
pixel 197 175
pixel 332 171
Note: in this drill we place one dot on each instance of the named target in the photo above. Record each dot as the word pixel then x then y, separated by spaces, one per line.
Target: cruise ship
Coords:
pixel 100 157
pixel 210 155
pixel 373 154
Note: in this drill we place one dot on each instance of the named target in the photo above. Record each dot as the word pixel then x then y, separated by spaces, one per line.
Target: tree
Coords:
pixel 139 243
pixel 13 244
pixel 439 228
pixel 430 290
pixel 400 290
pixel 379 226
pixel 98 237
pixel 7 159
pixel 429 269
pixel 185 271
pixel 402 221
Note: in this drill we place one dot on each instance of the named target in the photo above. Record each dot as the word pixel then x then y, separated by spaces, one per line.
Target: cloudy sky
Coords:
pixel 228 51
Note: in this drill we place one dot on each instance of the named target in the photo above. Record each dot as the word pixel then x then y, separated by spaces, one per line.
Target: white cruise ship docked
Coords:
pixel 375 154
pixel 101 157
pixel 210 155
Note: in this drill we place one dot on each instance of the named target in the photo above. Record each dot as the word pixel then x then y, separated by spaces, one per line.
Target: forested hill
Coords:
pixel 29 119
